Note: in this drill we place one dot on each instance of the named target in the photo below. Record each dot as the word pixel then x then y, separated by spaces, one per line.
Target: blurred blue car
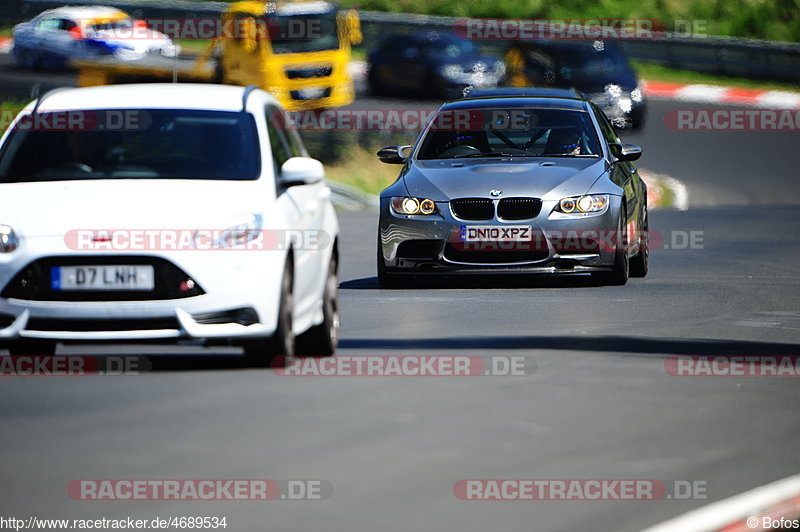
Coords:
pixel 598 69
pixel 55 37
pixel 431 63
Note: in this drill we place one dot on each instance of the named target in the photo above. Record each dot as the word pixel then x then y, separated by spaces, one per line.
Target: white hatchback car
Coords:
pixel 164 212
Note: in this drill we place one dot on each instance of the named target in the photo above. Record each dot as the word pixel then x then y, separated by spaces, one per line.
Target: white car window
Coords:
pixel 48 24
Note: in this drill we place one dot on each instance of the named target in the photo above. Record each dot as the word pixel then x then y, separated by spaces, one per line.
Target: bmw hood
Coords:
pixel 546 178
pixel 55 208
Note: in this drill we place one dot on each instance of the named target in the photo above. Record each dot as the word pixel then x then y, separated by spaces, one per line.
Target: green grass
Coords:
pixel 777 20
pixel 361 169
pixel 359 54
pixel 192 45
pixel 8 110
pixel 12 105
pixel 661 73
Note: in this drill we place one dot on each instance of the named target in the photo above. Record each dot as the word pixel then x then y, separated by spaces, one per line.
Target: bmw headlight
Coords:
pixel 636 95
pixel 406 205
pixel 625 105
pixel 588 205
pixel 8 240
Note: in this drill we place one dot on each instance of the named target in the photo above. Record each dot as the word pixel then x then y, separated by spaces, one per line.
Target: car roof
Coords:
pixel 523 92
pixel 306 8
pixel 147 96
pixel 432 36
pixel 505 102
pixel 85 12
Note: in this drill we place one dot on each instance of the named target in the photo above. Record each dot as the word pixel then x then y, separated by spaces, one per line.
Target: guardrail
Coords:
pixel 726 56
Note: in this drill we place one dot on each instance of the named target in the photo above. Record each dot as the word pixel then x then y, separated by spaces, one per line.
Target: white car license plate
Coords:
pixel 313 93
pixel 103 278
pixel 493 233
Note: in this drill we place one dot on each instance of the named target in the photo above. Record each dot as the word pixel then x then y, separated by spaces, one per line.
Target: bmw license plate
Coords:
pixel 120 277
pixel 496 233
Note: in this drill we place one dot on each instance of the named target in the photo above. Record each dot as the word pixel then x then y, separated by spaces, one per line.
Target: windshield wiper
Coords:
pixel 494 154
pixel 568 155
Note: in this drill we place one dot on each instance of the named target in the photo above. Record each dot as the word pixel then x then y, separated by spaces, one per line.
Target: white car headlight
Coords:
pixel 454 72
pixel 588 205
pixel 8 240
pixel 636 95
pixel 614 90
pixel 241 230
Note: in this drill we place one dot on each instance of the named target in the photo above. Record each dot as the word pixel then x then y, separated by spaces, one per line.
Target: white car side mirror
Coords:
pixel 301 171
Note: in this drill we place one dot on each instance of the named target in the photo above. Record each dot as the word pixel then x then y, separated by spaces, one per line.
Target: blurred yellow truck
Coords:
pixel 297 51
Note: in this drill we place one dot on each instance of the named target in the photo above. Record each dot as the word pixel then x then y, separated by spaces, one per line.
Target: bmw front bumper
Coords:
pixel 434 245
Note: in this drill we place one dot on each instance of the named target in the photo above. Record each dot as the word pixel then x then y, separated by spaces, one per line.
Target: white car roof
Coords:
pixel 305 8
pixel 149 96
pixel 83 12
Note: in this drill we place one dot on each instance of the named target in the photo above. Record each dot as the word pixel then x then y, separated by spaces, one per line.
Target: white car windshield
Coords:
pixel 148 144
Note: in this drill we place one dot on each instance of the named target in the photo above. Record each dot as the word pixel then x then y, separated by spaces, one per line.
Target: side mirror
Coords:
pixel 301 171
pixel 353 25
pixel 625 152
pixel 394 154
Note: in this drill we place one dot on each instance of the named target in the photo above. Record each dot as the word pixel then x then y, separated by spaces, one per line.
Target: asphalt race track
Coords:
pixel 598 403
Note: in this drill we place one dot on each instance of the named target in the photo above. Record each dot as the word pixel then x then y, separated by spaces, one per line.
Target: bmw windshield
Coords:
pixel 515 132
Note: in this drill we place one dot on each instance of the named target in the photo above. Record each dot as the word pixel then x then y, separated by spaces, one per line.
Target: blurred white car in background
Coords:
pixel 198 216
pixel 55 37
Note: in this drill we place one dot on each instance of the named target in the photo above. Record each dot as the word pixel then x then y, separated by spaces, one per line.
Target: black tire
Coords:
pixel 260 353
pixel 640 263
pixel 29 348
pixel 322 339
pixel 376 86
pixel 620 271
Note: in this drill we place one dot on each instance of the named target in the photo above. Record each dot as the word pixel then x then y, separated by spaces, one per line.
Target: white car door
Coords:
pixel 304 207
pixel 55 40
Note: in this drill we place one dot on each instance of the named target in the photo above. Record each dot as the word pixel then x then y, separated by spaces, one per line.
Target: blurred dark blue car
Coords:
pixel 598 69
pixel 431 63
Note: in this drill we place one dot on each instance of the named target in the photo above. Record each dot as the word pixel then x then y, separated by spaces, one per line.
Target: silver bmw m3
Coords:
pixel 520 185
